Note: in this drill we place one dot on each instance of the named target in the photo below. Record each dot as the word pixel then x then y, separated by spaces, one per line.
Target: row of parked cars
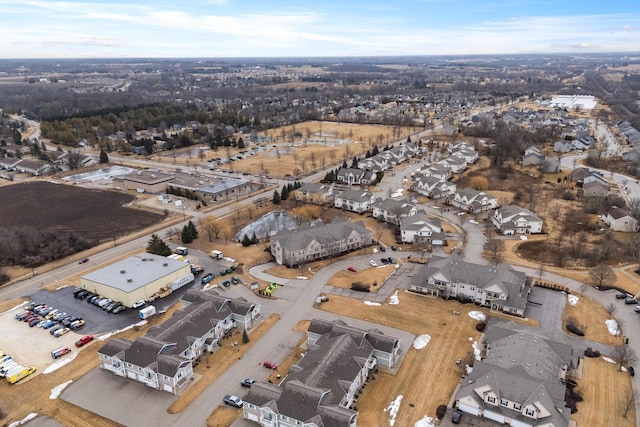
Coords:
pixel 104 303
pixel 56 321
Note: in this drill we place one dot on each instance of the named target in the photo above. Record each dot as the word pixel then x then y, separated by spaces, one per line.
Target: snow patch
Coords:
pixel 393 299
pixel 421 341
pixel 393 409
pixel 59 364
pixel 623 369
pixel 62 287
pixel 57 390
pixel 608 359
pixel 24 420
pixel 612 326
pixel 573 300
pixel 372 303
pixel 302 278
pixel 478 315
pixel 425 422
pixel 476 350
pixel 110 334
pixel 18 306
pixel 469 369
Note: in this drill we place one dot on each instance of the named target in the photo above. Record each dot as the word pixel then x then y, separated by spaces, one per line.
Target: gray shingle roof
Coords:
pixel 327 233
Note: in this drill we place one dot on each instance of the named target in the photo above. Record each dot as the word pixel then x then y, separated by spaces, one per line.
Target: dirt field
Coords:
pixel 428 376
pixel 92 214
pixel 591 316
pixel 604 389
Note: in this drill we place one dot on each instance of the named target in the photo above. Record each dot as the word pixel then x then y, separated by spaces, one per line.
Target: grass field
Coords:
pixel 373 277
pixel 427 377
pixel 591 316
pixel 604 389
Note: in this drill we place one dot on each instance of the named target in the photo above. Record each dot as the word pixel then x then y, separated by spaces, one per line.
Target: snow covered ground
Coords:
pixel 57 390
pixel 573 300
pixel 392 409
pixel 425 422
pixel 372 303
pixel 110 334
pixel 24 421
pixel 476 349
pixel 421 341
pixel 478 315
pixel 60 363
pixel 612 326
pixel 393 299
pixel 270 224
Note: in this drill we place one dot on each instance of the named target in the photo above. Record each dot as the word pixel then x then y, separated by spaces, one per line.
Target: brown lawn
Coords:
pixel 604 389
pixel 428 376
pixel 591 316
pixel 371 276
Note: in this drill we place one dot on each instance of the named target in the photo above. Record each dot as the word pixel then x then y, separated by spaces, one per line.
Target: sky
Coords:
pixel 304 28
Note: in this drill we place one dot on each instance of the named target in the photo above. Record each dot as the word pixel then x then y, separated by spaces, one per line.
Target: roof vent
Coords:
pixel 129 280
pixel 164 264
pixel 122 271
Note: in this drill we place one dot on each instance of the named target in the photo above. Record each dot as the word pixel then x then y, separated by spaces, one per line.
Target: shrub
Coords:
pixel 574 330
pixel 480 326
pixel 589 352
pixel 361 287
pixel 441 411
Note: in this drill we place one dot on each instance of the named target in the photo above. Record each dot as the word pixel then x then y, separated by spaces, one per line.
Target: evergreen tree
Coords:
pixel 245 336
pixel 240 143
pixel 354 163
pixel 290 187
pixel 379 176
pixel 368 154
pixel 409 138
pixel 193 229
pixel 104 158
pixel 327 177
pixel 375 151
pixel 284 194
pixel 156 246
pixel 254 239
pixel 246 241
pixel 344 164
pixel 187 236
pixel 276 198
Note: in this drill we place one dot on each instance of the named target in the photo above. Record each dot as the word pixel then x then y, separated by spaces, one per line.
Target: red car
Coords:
pixel 352 269
pixel 269 365
pixel 82 341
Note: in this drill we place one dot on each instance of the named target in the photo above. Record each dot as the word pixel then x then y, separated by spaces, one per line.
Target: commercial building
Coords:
pixel 137 277
pixel 147 181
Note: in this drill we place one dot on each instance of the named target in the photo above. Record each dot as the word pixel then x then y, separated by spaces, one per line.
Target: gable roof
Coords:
pixel 326 233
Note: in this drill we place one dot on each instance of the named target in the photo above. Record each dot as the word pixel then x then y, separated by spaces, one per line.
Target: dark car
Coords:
pixel 35 321
pixel 621 296
pixel 384 261
pixel 456 417
pixel 632 371
pixel 631 301
pixel 382 249
pixel 247 382
pixel 232 400
pixel 83 260
pixel 391 260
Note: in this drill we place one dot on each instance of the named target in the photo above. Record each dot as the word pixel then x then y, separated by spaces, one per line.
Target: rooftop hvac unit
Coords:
pixel 129 280
pixel 164 264
pixel 122 271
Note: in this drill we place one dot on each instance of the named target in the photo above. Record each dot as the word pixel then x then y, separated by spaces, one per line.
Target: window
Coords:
pixel 530 412
pixel 491 399
pixel 504 402
pixel 517 406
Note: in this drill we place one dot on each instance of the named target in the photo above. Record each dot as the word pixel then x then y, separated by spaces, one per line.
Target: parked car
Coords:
pixel 119 309
pixel 632 371
pixel 393 248
pixel 61 332
pixel 114 306
pixel 621 296
pixel 83 260
pixel 456 417
pixel 49 324
pixel 232 400
pixel 36 321
pixel 382 249
pixel 138 304
pixel 60 352
pixel 103 302
pixel 631 301
pixel 384 261
pixel 77 324
pixel 270 365
pixel 84 340
pixel 247 382
pixel 372 263
pixel 84 294
pixel 391 260
pixel 55 328
pixel 352 269
pixel 69 320
pixel 637 309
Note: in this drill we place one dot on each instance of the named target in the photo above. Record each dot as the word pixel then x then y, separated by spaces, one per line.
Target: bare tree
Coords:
pixel 626 355
pixel 602 274
pixel 611 309
pixel 540 271
pixel 495 247
pixel 627 403
pixel 582 288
